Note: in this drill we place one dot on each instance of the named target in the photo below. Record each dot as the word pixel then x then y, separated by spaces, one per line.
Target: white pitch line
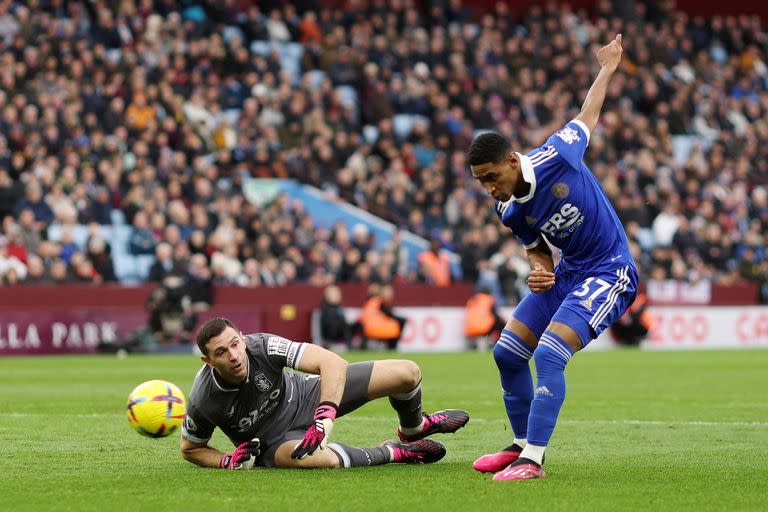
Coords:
pixel 356 418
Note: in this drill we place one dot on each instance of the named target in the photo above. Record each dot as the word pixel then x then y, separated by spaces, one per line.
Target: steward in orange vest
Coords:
pixel 635 323
pixel 377 319
pixel 436 265
pixel 482 318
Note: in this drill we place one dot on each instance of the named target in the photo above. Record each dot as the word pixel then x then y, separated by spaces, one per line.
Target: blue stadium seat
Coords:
pixel 119 238
pixel 79 233
pixel 681 147
pixel 117 216
pixel 125 267
pixel 230 32
pixel 402 125
pixel 646 239
pixel 261 47
pixel 370 133
pixel 316 78
pixel 294 50
pixel 347 95
pixel 143 264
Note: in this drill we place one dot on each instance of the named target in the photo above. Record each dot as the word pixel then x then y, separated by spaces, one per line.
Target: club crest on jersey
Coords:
pixel 262 382
pixel 569 135
pixel 530 220
pixel 560 190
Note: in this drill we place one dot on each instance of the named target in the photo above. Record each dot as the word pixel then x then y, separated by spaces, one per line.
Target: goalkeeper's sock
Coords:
pixel 551 356
pixel 512 355
pixel 408 408
pixel 351 457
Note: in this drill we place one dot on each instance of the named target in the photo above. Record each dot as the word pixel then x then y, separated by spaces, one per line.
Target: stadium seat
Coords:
pixel 230 32
pixel 347 95
pixel 125 267
pixel 119 238
pixel 682 145
pixel 645 239
pixel 117 216
pixel 370 133
pixel 316 78
pixel 143 264
pixel 79 233
pixel 402 125
pixel 261 47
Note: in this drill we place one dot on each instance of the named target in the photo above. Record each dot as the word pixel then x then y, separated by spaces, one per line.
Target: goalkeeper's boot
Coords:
pixel 521 469
pixel 494 462
pixel 424 451
pixel 441 422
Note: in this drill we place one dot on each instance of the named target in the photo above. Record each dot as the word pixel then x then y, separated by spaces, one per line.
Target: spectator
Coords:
pixel 482 320
pixel 164 264
pixel 33 200
pixel 378 321
pixel 158 126
pixel 435 265
pixel 334 327
pixel 141 240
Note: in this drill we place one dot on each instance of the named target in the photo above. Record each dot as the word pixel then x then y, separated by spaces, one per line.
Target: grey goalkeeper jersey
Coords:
pixel 265 405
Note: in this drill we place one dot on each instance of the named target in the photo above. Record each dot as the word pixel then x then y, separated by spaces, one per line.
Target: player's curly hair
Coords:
pixel 211 329
pixel 489 147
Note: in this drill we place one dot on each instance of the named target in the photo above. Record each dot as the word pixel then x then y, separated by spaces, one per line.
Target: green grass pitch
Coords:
pixel 639 431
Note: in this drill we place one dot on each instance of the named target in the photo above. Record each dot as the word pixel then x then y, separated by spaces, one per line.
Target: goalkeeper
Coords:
pixel 279 418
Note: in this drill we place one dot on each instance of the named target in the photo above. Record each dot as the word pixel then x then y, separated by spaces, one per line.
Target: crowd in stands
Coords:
pixel 160 109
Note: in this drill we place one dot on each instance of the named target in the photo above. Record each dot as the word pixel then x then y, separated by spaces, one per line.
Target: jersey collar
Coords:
pixel 246 381
pixel 529 176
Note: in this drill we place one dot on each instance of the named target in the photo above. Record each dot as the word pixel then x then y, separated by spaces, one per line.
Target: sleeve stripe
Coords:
pixel 583 127
pixel 192 438
pixel 532 245
pixel 294 356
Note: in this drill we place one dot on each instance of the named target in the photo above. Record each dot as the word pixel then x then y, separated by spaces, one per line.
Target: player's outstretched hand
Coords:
pixel 609 55
pixel 540 280
pixel 317 435
pixel 243 457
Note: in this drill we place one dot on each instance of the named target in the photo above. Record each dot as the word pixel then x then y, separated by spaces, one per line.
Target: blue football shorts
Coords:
pixel 586 301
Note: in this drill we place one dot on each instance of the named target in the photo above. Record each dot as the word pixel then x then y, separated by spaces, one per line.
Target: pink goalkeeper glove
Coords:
pixel 243 457
pixel 317 435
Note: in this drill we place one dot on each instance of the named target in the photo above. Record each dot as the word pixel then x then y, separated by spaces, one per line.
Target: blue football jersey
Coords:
pixel 567 205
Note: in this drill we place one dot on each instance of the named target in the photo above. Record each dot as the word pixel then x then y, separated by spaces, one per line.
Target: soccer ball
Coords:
pixel 156 408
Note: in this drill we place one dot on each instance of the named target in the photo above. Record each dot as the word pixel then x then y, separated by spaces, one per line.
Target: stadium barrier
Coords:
pixel 76 319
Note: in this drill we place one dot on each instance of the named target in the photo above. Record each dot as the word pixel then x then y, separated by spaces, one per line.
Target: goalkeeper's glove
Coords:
pixel 317 435
pixel 243 457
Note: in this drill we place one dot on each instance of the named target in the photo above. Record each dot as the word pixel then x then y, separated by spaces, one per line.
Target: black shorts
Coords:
pixel 355 395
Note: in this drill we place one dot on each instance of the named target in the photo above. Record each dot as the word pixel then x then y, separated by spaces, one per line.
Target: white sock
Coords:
pixel 413 430
pixel 520 442
pixel 391 453
pixel 533 452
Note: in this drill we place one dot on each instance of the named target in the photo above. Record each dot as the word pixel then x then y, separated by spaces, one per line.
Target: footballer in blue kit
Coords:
pixel 550 195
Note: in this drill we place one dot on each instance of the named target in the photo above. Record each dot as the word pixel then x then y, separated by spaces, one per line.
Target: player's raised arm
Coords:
pixel 609 57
